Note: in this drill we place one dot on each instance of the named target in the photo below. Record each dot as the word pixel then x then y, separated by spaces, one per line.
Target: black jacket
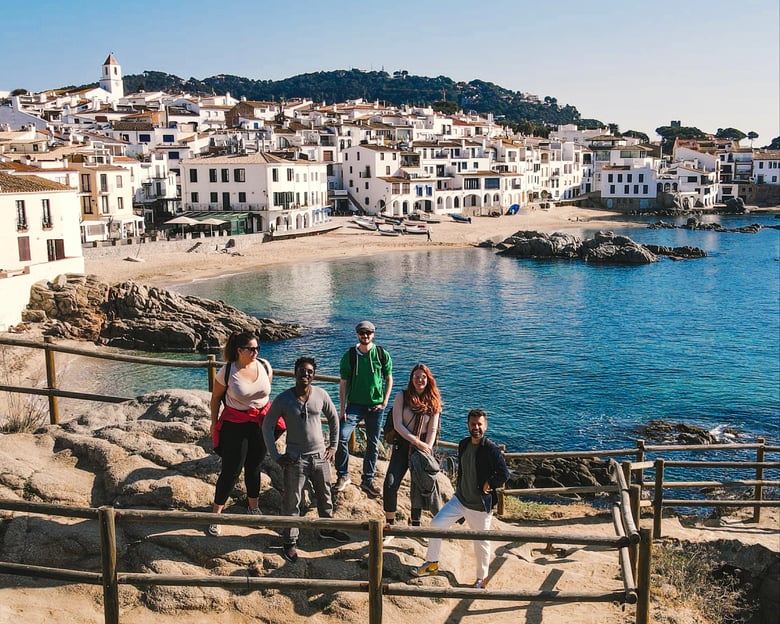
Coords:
pixel 491 467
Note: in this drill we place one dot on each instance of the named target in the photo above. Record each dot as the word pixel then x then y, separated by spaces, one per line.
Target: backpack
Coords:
pixel 353 358
pixel 229 365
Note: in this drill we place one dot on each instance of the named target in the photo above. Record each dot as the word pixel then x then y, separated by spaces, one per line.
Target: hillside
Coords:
pixel 397 89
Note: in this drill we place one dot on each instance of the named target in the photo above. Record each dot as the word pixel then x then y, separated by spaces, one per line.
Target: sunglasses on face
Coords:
pixel 364 333
pixel 306 372
pixel 252 349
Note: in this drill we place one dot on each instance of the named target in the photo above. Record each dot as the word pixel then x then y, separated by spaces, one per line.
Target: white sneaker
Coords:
pixel 342 483
pixel 215 530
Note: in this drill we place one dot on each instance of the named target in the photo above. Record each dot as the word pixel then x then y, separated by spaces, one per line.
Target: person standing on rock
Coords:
pixel 481 470
pixel 366 372
pixel 239 401
pixel 306 457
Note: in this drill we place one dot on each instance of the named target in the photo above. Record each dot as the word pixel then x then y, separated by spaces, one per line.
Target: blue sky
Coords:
pixel 708 63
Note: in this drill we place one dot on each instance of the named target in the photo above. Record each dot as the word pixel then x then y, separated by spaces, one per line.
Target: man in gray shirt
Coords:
pixel 305 457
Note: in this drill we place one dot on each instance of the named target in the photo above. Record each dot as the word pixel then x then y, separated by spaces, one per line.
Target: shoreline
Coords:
pixel 167 269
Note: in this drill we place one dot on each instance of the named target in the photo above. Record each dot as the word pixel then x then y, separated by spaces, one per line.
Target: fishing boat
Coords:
pixel 393 219
pixel 415 228
pixel 460 218
pixel 364 222
pixel 388 231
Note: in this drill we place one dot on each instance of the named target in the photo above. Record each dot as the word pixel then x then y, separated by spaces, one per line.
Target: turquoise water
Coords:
pixel 562 355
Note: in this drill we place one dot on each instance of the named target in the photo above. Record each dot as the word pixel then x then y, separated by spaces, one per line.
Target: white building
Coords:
pixel 272 194
pixel 39 238
pixel 766 167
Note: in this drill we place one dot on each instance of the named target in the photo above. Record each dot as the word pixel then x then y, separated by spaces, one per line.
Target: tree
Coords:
pixel 614 129
pixel 447 108
pixel 730 133
pixel 752 136
pixel 19 92
pixel 670 133
pixel 637 135
pixel 775 144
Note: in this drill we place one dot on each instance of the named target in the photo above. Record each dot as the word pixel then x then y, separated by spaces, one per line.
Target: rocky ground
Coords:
pixel 152 453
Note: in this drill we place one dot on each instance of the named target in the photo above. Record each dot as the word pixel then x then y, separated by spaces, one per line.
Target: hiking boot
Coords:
pixel 429 568
pixel 369 488
pixel 215 530
pixel 341 483
pixel 290 553
pixel 481 584
pixel 335 535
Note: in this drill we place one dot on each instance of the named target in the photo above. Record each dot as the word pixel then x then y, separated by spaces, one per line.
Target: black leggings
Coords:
pixel 242 447
pixel 396 470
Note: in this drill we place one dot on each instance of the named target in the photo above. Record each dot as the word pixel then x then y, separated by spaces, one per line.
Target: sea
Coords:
pixel 562 355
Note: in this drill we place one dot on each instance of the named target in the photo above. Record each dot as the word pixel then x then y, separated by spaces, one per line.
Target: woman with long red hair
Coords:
pixel 416 414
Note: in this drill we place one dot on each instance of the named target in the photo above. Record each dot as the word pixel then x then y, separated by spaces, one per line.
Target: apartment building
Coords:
pixel 39 238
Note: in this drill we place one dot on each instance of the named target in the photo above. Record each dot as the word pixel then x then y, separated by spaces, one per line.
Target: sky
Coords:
pixel 638 63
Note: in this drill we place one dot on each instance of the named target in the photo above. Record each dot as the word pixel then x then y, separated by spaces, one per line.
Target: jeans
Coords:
pixel 242 447
pixel 295 475
pixel 372 416
pixel 453 511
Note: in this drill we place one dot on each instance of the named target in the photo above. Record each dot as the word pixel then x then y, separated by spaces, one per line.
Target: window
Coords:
pixel 46 213
pixel 620 177
pixel 625 189
pixel 644 189
pixel 193 175
pixel 611 189
pixel 104 204
pixel 290 175
pixel 471 183
pixel 86 184
pixel 144 138
pixel 641 177
pixel 212 175
pixel 119 181
pixel 761 165
pixel 609 178
pixel 241 197
pixel 283 199
pixel 168 138
pixel 275 175
pixel 214 197
pixel 194 198
pixel 21 215
pixel 692 179
pixel 387 170
pixel 225 174
pixel 636 189
pixel 239 175
pixel 173 155
pixel 120 203
pixel 24 248
pixel 492 183
pixel 103 183
pixel 86 205
pixel 629 178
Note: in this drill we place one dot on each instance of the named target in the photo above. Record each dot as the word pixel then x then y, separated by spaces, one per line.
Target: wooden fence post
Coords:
pixel 658 497
pixel 108 561
pixel 643 586
pixel 634 493
pixel 758 491
pixel 212 371
pixel 375 571
pixel 51 382
pixel 640 457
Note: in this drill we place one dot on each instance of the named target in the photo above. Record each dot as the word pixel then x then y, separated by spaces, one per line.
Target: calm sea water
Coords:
pixel 562 355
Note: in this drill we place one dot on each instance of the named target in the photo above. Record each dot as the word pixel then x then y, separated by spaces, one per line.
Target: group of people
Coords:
pixel 245 424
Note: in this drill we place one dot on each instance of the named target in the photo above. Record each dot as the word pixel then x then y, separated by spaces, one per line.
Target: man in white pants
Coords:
pixel 481 470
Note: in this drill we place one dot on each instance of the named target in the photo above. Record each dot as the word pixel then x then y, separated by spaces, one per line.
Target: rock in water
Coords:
pixel 134 316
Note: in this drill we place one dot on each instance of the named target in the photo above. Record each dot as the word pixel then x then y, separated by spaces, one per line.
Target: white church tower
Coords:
pixel 112 78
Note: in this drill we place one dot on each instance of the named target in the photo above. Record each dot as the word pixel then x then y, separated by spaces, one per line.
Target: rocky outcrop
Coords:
pixel 695 224
pixel 661 431
pixel 558 472
pixel 603 248
pixel 677 253
pixel 134 316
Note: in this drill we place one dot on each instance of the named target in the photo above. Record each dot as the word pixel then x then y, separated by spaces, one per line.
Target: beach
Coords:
pixel 151 267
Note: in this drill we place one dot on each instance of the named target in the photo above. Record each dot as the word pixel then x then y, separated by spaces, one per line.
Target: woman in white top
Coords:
pixel 416 413
pixel 242 391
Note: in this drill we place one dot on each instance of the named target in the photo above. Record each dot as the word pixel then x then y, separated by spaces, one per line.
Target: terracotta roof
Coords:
pixel 28 184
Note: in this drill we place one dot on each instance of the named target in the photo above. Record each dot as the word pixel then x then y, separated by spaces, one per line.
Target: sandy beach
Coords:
pixel 154 268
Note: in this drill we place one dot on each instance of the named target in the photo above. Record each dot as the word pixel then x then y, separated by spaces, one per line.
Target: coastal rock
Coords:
pixel 559 472
pixel 134 316
pixel 693 223
pixel 603 248
pixel 677 433
pixel 686 251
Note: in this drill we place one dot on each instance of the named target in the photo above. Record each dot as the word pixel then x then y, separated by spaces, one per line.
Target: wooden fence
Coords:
pixel 633 545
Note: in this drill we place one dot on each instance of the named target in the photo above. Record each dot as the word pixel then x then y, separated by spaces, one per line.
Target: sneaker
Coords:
pixel 215 530
pixel 290 553
pixel 387 539
pixel 481 584
pixel 369 488
pixel 342 483
pixel 335 535
pixel 254 512
pixel 429 568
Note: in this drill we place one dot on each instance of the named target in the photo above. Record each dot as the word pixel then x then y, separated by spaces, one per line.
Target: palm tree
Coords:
pixel 752 135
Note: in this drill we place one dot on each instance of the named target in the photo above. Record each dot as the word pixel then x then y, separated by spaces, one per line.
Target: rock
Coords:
pixel 134 316
pixel 679 433
pixel 561 472
pixel 606 248
pixel 686 251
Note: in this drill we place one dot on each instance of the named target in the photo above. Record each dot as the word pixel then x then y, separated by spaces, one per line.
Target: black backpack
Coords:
pixel 353 359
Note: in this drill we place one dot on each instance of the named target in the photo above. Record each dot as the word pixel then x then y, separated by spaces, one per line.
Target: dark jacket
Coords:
pixel 491 467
